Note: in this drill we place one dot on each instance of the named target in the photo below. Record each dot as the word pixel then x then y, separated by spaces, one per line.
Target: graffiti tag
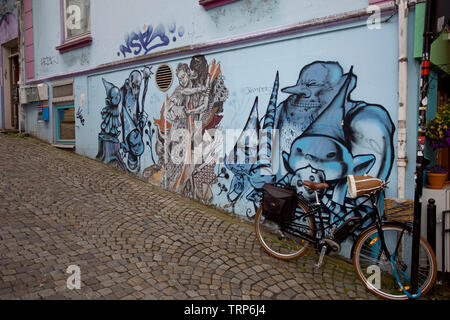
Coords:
pixel 49 60
pixel 80 116
pixel 152 38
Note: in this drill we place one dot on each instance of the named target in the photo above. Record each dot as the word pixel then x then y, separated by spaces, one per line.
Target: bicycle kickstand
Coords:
pixel 322 253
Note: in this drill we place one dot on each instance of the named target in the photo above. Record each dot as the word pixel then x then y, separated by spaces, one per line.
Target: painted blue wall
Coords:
pixel 250 77
pixel 39 129
pixel 185 20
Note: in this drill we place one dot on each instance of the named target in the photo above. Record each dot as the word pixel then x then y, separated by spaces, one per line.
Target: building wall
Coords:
pixel 34 126
pixel 247 79
pixel 8 32
pixel 352 78
pixel 112 24
pixel 6 88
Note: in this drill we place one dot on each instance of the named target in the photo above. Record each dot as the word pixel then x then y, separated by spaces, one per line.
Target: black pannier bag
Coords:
pixel 279 203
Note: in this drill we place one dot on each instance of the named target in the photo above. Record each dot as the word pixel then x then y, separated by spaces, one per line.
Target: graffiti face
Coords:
pixel 135 143
pixel 199 69
pixel 113 97
pixel 310 174
pixel 328 155
pixel 183 78
pixel 316 87
pixel 135 80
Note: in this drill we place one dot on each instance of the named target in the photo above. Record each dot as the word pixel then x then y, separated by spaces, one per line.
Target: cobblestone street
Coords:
pixel 132 240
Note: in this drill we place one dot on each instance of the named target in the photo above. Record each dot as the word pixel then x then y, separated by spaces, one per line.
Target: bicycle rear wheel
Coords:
pixel 284 241
pixel 375 269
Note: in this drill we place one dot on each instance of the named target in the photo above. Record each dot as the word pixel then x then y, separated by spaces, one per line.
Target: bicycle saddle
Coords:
pixel 315 185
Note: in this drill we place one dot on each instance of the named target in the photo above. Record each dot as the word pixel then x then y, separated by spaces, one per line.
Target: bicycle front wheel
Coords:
pixel 376 270
pixel 285 242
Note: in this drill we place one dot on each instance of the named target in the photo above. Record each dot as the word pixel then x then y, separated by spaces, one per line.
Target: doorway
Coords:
pixel 65 125
pixel 14 70
pixel 10 53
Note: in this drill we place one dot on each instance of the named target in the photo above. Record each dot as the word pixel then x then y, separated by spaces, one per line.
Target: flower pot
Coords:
pixel 436 180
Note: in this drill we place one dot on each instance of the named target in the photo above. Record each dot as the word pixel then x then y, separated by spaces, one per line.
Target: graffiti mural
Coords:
pixel 139 43
pixel 322 135
pixel 318 133
pixel 190 116
pixel 124 122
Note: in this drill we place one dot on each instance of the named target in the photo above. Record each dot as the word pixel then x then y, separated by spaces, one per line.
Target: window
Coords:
pixel 63 91
pixel 77 18
pixel 65 124
pixel 75 24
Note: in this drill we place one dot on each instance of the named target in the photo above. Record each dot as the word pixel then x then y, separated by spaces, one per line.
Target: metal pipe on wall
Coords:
pixel 402 159
pixel 21 41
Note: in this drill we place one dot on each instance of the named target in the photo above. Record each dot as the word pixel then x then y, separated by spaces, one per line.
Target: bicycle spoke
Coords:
pixel 377 272
pixel 284 241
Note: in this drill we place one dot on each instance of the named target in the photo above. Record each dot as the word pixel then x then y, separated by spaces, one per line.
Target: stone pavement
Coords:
pixel 134 241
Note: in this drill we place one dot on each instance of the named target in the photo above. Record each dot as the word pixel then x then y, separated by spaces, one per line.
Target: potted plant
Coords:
pixel 438 129
pixel 436 176
pixel 438 137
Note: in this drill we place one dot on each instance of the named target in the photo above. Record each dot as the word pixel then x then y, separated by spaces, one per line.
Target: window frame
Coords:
pixel 75 42
pixel 374 2
pixel 209 4
pixel 58 139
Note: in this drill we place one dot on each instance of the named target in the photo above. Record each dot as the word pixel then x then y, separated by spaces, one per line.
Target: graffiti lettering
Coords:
pixel 151 38
pixel 250 90
pixel 49 60
pixel 80 116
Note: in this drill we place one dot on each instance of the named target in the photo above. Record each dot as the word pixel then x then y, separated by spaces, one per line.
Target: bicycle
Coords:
pixel 381 252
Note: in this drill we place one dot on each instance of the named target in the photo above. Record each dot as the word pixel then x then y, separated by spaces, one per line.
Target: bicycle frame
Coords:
pixel 316 212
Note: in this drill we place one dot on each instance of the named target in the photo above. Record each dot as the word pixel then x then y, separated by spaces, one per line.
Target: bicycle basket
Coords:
pixel 279 203
pixel 361 185
pixel 400 210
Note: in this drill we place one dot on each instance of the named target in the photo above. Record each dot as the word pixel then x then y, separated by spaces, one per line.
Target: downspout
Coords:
pixel 20 39
pixel 402 94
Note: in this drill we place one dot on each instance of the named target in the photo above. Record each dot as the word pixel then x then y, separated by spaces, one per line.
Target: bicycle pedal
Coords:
pixel 322 253
pixel 333 245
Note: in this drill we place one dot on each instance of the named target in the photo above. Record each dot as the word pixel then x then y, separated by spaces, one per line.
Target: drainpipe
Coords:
pixel 402 94
pixel 20 41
